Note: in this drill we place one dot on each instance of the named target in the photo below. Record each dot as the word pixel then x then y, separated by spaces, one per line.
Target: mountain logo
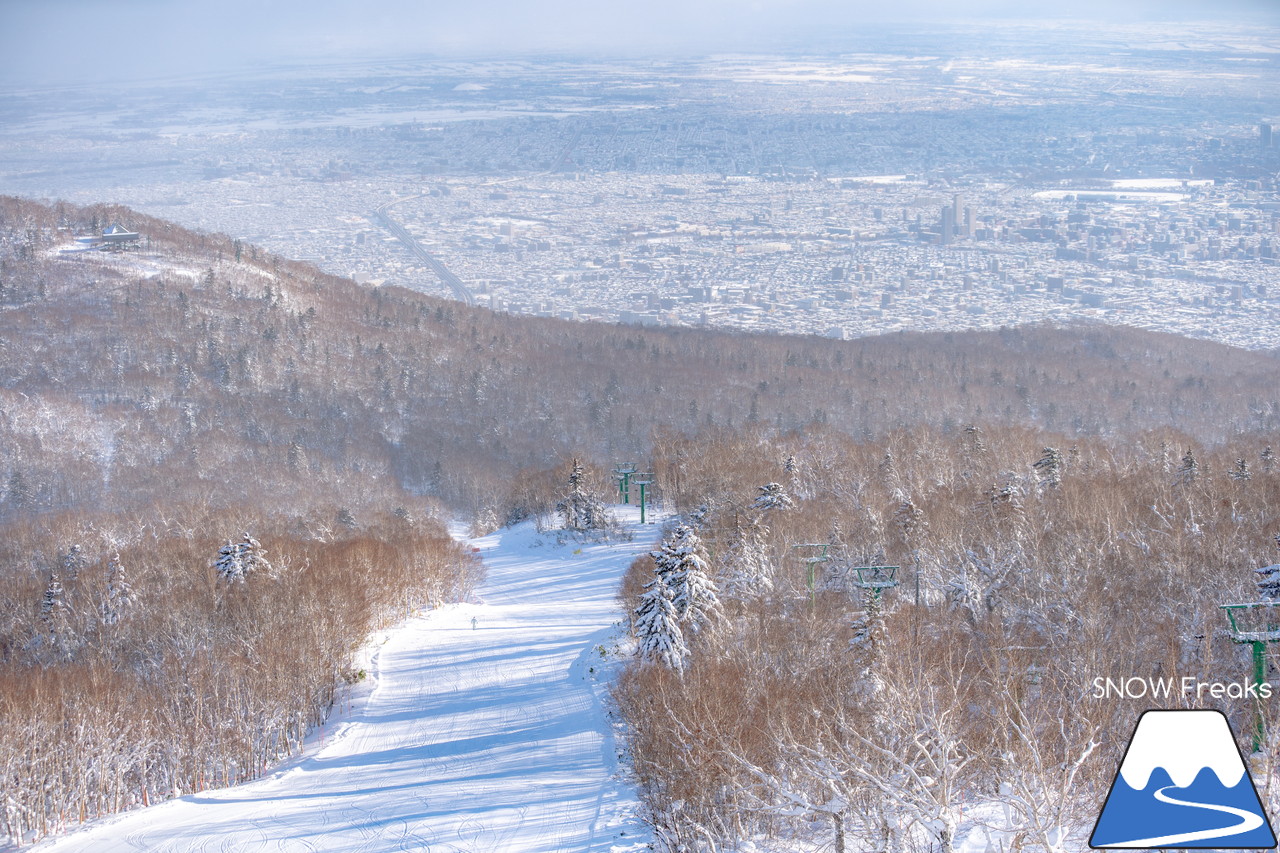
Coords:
pixel 1183 783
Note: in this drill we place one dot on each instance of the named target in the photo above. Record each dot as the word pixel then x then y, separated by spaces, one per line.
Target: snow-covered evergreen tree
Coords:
pixel 747 572
pixel 657 626
pixel 670 555
pixel 1268 582
pixel 1049 467
pixel 772 496
pixel 975 444
pixel 237 560
pixel 664 559
pixel 296 458
pixel 18 492
pixel 55 617
pixel 580 510
pixel 1240 472
pixel 1268 458
pixel 694 597
pixel 699 518
pixel 907 517
pixel 228 564
pixel 682 567
pixel 72 562
pixel 888 468
pixel 1004 497
pixel 1190 468
pixel 120 596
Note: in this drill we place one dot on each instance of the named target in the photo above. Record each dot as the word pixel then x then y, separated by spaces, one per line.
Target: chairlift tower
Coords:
pixel 1255 624
pixel 812 554
pixel 623 472
pixel 643 479
pixel 874 580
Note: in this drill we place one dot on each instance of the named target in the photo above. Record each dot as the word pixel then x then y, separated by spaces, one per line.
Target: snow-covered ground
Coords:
pixel 484 738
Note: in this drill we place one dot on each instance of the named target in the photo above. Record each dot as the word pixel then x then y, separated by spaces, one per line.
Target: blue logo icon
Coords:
pixel 1183 784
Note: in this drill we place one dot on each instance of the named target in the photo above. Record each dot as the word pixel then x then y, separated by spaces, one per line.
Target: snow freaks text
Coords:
pixel 1143 687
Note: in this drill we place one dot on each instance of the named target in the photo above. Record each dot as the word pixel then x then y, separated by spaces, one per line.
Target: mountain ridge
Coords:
pixel 157 354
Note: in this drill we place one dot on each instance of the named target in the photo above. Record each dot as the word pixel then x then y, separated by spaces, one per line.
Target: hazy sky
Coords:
pixel 69 41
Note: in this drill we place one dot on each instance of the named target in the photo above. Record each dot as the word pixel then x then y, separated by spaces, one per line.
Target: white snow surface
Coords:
pixel 492 738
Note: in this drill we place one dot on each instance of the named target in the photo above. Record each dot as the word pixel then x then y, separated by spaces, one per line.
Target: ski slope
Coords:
pixel 490 738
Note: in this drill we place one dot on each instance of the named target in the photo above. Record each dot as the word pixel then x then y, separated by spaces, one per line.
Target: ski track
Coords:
pixel 487 739
pixel 1248 821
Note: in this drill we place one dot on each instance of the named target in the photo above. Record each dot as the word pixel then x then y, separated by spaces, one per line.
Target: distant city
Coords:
pixel 920 180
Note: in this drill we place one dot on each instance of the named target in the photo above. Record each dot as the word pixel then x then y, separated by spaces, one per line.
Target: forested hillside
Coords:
pixel 198 366
pixel 809 700
pixel 220 469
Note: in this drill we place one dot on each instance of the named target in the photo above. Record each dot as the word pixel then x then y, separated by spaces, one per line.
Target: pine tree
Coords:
pixel 1241 472
pixel 1004 498
pixel 1268 458
pixel 771 497
pixel 747 572
pixel 17 492
pixel 695 596
pixel 296 457
pixel 908 517
pixel 1049 465
pixel 1268 582
pixel 120 595
pixel 668 558
pixel 1000 494
pixel 72 562
pixel 888 468
pixel 681 566
pixel 580 510
pixel 55 616
pixel 1189 469
pixel 237 560
pixel 976 446
pixel 697 604
pixel 699 517
pixel 228 564
pixel 657 626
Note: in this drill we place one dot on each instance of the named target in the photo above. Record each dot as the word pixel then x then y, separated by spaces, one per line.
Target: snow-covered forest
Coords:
pixel 220 469
pixel 831 706
pixel 133 667
pixel 198 358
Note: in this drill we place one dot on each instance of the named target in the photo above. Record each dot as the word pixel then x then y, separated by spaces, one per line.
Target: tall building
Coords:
pixel 947 229
pixel 1264 133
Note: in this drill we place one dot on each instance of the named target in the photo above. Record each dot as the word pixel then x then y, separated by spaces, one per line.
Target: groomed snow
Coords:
pixel 490 738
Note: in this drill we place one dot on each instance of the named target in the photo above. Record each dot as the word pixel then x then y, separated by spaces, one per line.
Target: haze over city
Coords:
pixel 82 41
